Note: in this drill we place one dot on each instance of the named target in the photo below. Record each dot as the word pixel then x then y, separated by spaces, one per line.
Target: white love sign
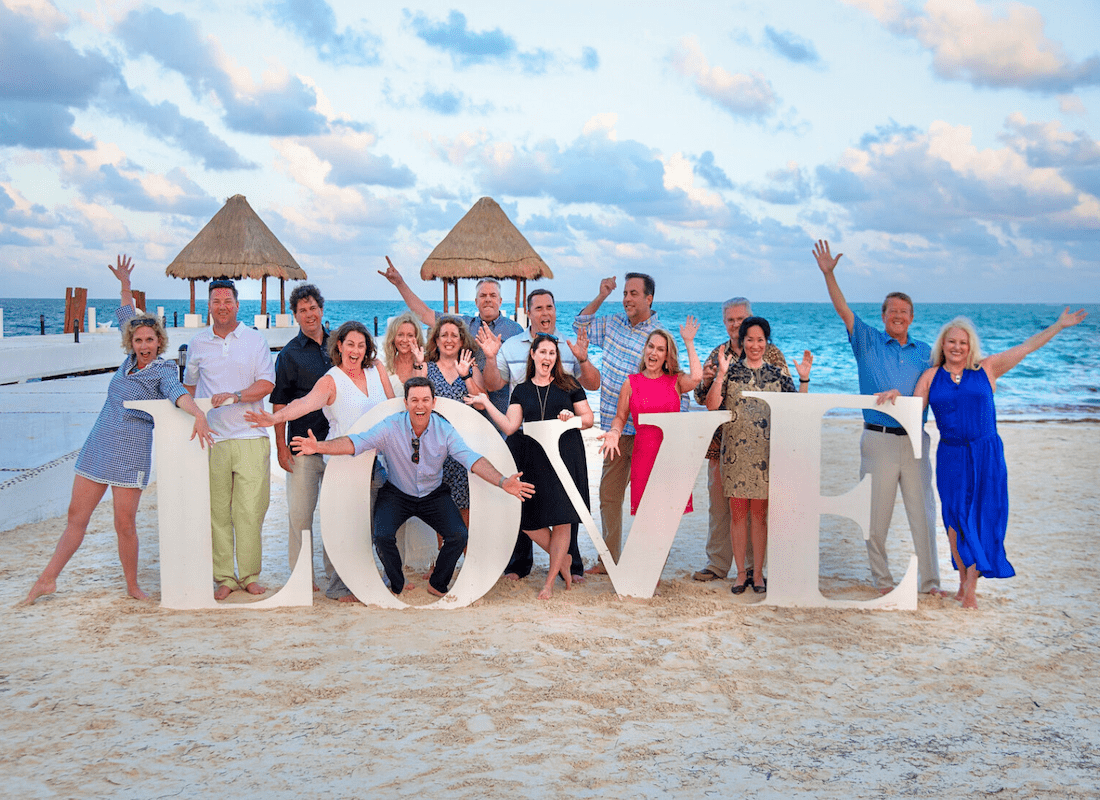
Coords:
pixel 346 513
pixel 795 507
pixel 795 504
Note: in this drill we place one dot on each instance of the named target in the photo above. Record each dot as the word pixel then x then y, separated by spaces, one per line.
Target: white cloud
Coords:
pixel 974 43
pixel 741 94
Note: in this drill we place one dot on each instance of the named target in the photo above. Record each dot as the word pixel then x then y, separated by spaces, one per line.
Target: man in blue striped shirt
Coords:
pixel 622 338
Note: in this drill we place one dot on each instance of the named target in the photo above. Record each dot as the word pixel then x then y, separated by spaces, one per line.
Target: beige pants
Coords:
pixel 613 483
pixel 240 490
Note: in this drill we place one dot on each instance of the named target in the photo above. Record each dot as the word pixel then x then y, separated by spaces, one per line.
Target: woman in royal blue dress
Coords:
pixel 970 464
pixel 116 453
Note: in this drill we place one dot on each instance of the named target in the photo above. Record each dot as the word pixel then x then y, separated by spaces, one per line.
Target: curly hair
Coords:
pixel 468 343
pixel 337 339
pixel 140 321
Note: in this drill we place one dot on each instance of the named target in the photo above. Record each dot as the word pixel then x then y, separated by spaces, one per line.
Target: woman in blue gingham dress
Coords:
pixel 117 451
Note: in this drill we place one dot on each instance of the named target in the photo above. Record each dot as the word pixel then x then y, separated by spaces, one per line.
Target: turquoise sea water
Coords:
pixel 1060 381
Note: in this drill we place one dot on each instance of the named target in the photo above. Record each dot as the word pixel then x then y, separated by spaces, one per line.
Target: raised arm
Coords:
pixel 998 364
pixel 383 376
pixel 607 286
pixel 714 394
pixel 587 376
pixel 492 377
pixel 509 423
pixel 685 383
pixel 415 304
pixel 122 272
pixel 827 264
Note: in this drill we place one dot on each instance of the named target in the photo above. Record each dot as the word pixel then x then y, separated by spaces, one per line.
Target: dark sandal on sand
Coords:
pixel 739 588
pixel 760 589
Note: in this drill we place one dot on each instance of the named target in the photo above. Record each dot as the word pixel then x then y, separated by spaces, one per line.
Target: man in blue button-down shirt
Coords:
pixel 890 360
pixel 415 444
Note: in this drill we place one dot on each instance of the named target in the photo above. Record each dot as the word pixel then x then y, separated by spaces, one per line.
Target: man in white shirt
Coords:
pixel 511 360
pixel 231 364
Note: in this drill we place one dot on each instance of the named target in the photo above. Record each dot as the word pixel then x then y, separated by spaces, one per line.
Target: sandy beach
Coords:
pixel 694 693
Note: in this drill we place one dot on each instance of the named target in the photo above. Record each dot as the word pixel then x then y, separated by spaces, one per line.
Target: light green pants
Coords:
pixel 240 490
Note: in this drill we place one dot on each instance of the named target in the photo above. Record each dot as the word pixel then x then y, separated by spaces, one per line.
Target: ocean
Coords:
pixel 1059 382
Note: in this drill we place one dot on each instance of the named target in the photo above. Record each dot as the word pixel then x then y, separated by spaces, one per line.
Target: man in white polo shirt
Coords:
pixel 231 364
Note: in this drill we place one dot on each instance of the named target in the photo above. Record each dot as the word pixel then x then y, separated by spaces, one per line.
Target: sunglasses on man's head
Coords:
pixel 221 283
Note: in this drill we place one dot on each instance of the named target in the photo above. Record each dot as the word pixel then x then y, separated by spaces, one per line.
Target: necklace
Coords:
pixel 956 378
pixel 542 400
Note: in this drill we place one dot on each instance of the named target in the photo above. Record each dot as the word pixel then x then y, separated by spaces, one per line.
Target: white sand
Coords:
pixel 695 693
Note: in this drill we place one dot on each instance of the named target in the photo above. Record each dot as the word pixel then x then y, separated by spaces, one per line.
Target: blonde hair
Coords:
pixel 128 328
pixel 974 357
pixel 672 357
pixel 389 344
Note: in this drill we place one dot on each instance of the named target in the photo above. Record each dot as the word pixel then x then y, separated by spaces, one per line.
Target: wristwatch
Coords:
pixel 238 394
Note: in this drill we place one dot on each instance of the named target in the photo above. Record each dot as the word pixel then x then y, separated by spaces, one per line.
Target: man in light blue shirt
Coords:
pixel 415 444
pixel 890 360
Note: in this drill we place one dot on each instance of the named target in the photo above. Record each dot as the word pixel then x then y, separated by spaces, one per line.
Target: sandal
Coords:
pixel 758 589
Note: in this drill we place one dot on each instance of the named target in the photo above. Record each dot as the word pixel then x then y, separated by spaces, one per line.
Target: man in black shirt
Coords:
pixel 300 365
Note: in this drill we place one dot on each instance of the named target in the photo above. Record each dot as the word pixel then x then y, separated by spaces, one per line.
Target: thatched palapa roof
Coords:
pixel 484 244
pixel 235 244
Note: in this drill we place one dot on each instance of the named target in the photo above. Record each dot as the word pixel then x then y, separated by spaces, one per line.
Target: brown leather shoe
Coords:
pixel 705 575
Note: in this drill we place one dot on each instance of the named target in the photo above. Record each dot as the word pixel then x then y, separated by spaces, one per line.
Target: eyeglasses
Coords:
pixel 141 322
pixel 222 283
pixel 416 450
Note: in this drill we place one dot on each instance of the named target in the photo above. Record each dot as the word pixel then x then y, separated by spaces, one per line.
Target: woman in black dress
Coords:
pixel 548 393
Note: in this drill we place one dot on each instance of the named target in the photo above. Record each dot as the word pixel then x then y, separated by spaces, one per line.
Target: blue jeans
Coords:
pixel 438 511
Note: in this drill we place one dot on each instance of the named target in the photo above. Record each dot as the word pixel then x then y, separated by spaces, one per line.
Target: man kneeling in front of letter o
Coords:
pixel 415 444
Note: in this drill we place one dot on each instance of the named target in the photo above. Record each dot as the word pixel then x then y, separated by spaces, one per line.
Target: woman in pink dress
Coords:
pixel 656 387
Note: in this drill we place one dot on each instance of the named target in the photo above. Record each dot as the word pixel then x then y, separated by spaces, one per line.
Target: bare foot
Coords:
pixel 432 590
pixel 970 602
pixel 511 576
pixel 547 592
pixel 41 587
pixel 596 569
pixel 578 578
pixel 222 592
pixel 885 589
pixel 316 588
pixel 938 593
pixel 137 594
pixel 254 588
pixel 348 598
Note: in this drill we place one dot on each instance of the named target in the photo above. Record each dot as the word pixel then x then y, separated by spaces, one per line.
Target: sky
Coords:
pixel 948 148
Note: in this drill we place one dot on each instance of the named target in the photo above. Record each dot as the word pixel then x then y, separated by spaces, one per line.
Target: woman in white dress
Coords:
pixel 343 394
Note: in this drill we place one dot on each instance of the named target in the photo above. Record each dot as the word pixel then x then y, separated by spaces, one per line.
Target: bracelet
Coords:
pixel 583 362
pixel 500 483
pixel 801 380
